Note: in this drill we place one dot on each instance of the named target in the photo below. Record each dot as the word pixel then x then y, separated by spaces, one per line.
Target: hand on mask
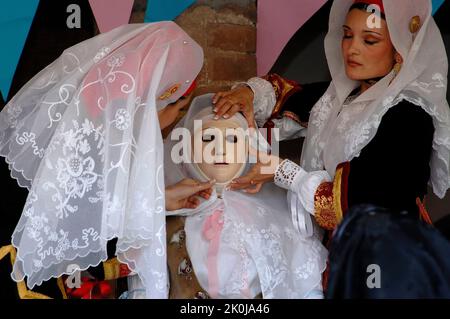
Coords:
pixel 185 193
pixel 263 171
pixel 239 99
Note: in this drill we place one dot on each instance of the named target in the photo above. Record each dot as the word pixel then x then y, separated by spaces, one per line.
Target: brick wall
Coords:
pixel 226 30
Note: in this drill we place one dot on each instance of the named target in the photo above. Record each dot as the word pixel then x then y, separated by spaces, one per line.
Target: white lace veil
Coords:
pixel 421 81
pixel 83 136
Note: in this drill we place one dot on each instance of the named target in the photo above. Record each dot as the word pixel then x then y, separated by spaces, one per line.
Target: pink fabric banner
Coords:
pixel 277 23
pixel 110 14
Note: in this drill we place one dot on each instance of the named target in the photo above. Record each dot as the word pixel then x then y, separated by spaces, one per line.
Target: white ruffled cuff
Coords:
pixel 264 98
pixel 286 172
pixel 302 187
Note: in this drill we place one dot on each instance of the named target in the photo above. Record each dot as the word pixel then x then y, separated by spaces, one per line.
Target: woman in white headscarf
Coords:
pixel 84 137
pixel 380 132
pixel 239 245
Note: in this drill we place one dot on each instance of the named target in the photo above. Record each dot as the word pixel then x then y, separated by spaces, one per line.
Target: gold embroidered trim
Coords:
pixel 168 93
pixel 337 184
pixel 283 89
pixel 328 202
pixel 5 250
pixel 323 207
pixel 62 288
pixel 22 289
pixel 111 269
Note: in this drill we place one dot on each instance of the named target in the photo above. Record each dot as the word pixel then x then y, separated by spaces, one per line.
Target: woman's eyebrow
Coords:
pixel 370 31
pixel 365 31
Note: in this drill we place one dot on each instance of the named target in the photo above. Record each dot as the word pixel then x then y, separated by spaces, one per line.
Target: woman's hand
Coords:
pixel 169 114
pixel 239 99
pixel 185 193
pixel 263 171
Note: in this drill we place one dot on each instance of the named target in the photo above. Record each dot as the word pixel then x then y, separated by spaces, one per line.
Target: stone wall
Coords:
pixel 226 30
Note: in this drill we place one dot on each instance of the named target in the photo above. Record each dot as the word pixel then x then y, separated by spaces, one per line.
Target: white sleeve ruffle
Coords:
pixel 264 101
pixel 264 98
pixel 289 129
pixel 301 187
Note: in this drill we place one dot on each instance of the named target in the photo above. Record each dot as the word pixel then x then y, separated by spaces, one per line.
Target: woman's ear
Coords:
pixel 398 58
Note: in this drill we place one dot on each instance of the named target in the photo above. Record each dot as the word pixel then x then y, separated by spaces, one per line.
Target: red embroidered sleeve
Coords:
pixel 330 199
pixel 283 88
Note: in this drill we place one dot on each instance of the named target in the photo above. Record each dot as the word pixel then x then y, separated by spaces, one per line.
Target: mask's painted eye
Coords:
pixel 232 139
pixel 208 138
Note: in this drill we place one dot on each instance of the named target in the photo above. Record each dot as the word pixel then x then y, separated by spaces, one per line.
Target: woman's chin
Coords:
pixel 352 75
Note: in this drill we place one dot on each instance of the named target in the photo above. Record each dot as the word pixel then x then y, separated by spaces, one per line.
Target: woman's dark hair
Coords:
pixel 364 7
pixel 378 253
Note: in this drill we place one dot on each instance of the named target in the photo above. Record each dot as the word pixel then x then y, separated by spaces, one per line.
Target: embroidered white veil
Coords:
pixel 422 81
pixel 83 136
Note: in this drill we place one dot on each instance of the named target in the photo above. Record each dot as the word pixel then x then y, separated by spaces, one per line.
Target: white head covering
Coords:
pixel 83 136
pixel 259 247
pixel 201 110
pixel 334 139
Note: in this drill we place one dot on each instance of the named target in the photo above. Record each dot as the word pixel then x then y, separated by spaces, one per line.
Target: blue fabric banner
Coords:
pixel 15 22
pixel 163 10
pixel 436 5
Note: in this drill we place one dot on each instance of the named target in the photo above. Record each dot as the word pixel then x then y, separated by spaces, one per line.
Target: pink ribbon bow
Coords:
pixel 212 229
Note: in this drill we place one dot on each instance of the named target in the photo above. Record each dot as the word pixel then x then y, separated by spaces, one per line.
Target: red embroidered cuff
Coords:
pixel 330 199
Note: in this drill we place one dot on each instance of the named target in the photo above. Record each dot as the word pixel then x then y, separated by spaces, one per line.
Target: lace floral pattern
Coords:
pixel 264 99
pixel 78 137
pixel 319 115
pixel 75 169
pixel 339 134
pixel 347 114
pixel 101 54
pixel 13 113
pixel 122 119
pixel 286 173
pixel 272 262
pixel 353 134
pixel 286 265
pixel 321 111
pixel 438 81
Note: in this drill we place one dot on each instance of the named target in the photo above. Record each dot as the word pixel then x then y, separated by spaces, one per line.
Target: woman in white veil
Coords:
pixel 83 137
pixel 392 129
pixel 379 132
pixel 240 245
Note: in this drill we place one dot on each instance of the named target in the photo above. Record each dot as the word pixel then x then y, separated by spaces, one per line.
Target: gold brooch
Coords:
pixel 168 93
pixel 414 24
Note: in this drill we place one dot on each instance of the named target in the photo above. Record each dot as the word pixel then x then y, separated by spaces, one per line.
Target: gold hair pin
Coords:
pixel 168 93
pixel 414 24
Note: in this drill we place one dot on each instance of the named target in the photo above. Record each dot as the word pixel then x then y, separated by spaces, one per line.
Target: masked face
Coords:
pixel 222 148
